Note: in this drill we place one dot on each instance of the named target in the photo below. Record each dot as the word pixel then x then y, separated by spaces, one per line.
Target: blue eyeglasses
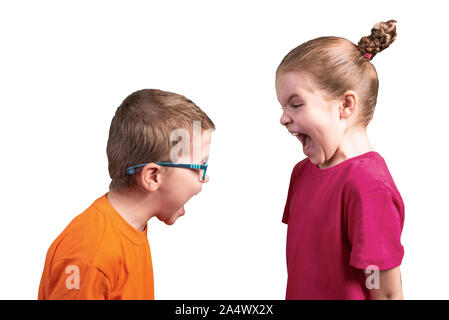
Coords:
pixel 132 170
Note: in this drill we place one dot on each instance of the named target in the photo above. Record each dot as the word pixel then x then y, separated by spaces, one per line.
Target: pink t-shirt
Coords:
pixel 340 220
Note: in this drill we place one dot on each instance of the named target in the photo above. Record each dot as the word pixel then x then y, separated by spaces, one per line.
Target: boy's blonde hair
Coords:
pixel 141 128
pixel 336 65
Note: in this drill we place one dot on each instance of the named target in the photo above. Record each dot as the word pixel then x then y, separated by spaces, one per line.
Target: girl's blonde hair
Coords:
pixel 336 65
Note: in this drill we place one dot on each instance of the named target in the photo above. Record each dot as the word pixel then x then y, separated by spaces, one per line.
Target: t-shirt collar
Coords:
pixel 134 235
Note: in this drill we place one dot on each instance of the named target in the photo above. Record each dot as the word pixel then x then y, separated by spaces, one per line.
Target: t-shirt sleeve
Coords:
pixel 74 280
pixel 375 219
pixel 286 213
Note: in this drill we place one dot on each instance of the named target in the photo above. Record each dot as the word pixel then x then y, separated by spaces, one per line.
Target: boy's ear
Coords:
pixel 151 177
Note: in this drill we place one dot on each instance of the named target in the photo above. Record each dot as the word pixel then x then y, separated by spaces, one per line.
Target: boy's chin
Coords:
pixel 170 222
pixel 174 217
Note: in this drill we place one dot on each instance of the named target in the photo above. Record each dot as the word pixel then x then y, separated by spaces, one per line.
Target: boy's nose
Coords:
pixel 285 119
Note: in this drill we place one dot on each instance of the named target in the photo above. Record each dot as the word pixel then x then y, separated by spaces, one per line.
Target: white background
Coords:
pixel 65 66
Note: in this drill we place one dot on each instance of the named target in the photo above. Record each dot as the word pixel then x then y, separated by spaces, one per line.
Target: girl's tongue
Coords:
pixel 306 143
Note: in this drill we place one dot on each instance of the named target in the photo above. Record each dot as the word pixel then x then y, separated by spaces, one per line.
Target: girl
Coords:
pixel 344 213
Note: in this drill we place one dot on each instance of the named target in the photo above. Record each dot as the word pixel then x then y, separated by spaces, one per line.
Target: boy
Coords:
pixel 104 252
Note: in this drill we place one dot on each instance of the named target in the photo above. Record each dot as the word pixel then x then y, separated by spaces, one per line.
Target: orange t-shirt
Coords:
pixel 98 256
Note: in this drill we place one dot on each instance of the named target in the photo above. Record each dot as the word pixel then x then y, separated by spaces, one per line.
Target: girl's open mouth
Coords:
pixel 306 142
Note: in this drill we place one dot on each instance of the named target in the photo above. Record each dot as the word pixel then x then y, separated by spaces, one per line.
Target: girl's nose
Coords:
pixel 285 119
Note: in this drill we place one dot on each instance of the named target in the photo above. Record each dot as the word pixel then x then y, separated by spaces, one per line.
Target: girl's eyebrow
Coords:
pixel 294 95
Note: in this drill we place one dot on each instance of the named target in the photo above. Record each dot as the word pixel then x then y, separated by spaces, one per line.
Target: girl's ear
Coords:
pixel 151 177
pixel 349 104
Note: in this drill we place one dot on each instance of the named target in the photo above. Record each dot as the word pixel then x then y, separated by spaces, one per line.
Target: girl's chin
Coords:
pixel 315 161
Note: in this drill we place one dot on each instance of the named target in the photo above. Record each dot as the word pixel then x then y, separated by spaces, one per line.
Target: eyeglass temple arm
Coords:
pixel 132 170
pixel 183 165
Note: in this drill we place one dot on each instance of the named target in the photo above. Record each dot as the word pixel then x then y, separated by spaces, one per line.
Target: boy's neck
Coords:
pixel 132 206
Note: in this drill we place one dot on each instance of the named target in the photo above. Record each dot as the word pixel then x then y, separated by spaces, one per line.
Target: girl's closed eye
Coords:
pixel 293 106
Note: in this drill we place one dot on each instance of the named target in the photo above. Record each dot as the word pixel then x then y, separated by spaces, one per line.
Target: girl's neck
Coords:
pixel 355 142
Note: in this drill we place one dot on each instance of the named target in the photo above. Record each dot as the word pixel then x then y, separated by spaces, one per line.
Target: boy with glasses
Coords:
pixel 104 252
